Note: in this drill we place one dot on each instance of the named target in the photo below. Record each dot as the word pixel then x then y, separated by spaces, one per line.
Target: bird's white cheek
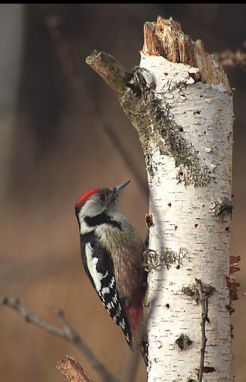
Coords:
pixel 84 228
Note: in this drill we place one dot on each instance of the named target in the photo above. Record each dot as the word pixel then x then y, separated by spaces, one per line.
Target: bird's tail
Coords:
pixel 136 322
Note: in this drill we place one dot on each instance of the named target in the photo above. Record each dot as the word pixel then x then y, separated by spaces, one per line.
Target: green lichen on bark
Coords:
pixel 222 208
pixel 151 118
pixel 193 292
pixel 167 257
pixel 183 342
pixel 156 129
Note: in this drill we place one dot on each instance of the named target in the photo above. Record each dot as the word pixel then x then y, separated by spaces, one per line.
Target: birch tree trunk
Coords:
pixel 190 180
pixel 180 103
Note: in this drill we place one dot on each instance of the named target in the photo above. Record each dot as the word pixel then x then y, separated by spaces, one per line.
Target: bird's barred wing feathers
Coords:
pixel 99 267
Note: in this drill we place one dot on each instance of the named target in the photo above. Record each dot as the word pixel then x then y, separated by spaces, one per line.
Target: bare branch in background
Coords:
pixel 64 50
pixel 68 58
pixel 71 369
pixel 117 143
pixel 66 332
pixel 230 59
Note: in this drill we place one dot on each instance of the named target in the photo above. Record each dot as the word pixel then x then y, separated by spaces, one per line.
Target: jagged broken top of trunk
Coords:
pixel 165 38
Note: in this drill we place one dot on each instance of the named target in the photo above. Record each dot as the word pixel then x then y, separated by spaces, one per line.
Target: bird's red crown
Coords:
pixel 85 196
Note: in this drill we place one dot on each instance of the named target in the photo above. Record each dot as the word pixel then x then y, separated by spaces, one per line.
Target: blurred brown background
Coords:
pixel 59 132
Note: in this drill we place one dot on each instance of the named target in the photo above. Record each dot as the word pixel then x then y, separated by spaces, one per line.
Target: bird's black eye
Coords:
pixel 102 197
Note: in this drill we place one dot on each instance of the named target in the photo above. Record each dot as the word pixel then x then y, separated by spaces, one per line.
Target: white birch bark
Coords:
pixel 185 222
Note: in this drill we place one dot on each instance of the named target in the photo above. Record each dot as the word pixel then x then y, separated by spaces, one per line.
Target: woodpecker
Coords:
pixel 112 255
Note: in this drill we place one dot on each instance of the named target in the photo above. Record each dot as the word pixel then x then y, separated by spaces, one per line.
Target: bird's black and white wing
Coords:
pixel 99 268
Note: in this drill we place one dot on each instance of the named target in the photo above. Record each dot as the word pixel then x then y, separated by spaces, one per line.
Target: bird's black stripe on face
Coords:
pixel 102 218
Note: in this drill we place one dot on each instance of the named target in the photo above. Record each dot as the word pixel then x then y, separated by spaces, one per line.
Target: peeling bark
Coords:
pixel 180 103
pixel 165 38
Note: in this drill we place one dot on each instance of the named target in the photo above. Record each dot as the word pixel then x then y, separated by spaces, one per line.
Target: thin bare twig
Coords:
pixel 72 370
pixel 66 332
pixel 204 304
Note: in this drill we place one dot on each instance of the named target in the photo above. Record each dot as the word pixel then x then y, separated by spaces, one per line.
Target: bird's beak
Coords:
pixel 120 187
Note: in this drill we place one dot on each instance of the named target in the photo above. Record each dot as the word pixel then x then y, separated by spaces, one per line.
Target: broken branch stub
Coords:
pixel 111 71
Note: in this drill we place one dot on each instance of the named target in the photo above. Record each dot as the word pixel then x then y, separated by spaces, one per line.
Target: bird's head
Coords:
pixel 99 200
